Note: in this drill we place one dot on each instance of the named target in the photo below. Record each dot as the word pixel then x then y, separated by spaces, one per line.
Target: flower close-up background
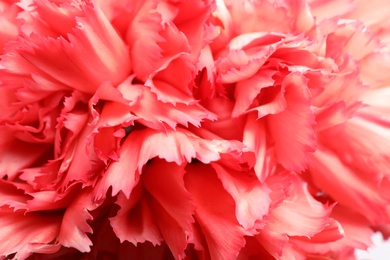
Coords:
pixel 193 129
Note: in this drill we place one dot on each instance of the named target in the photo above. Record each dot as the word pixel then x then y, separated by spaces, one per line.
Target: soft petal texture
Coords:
pixel 140 146
pixel 251 197
pixel 76 236
pixel 24 234
pixel 172 203
pixel 8 23
pixel 134 221
pixel 363 194
pixel 310 219
pixel 193 129
pixel 16 154
pixel 92 54
pixel 292 146
pixel 277 16
pixel 215 213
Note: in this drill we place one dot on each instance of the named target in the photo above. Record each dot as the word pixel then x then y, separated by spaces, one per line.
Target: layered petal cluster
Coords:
pixel 202 129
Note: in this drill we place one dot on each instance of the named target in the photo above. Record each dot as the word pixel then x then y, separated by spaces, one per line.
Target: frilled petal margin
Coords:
pixel 171 202
pixel 292 129
pixel 251 197
pixel 214 213
pixel 24 234
pixel 75 225
pixel 142 145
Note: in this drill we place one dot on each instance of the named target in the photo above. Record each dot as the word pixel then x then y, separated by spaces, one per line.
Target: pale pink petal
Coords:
pixel 251 197
pixel 351 37
pixel 74 227
pixel 291 130
pixel 300 214
pixel 366 155
pixel 355 234
pixel 214 213
pixel 323 9
pixel 372 67
pixel 277 16
pixel 349 187
pixel 171 202
pixel 374 15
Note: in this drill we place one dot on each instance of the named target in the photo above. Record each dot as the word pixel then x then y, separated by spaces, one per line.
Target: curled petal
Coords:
pixel 214 213
pixel 251 197
pixel 25 234
pixel 292 129
pixel 134 222
pixel 171 202
pixel 140 146
pixel 306 216
pixel 75 222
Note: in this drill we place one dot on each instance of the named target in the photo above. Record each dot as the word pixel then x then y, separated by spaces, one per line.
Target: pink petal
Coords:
pixel 48 18
pixel 274 243
pixel 140 146
pixel 374 15
pixel 16 155
pixel 143 37
pixel 255 140
pixel 135 222
pixel 226 127
pixel 174 89
pixel 157 114
pixel 371 67
pixel 300 214
pixel 81 162
pixel 214 213
pixel 238 65
pixel 251 197
pixel 12 197
pixel 323 9
pixel 291 129
pixel 247 90
pixel 8 23
pixel 191 20
pixel 171 202
pixel 366 155
pixel 282 16
pixel 25 234
pixel 93 54
pixel 349 187
pixel 75 222
pixel 355 231
pixel 46 200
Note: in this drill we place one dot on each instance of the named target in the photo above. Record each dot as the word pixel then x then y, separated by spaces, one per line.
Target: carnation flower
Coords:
pixel 201 129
